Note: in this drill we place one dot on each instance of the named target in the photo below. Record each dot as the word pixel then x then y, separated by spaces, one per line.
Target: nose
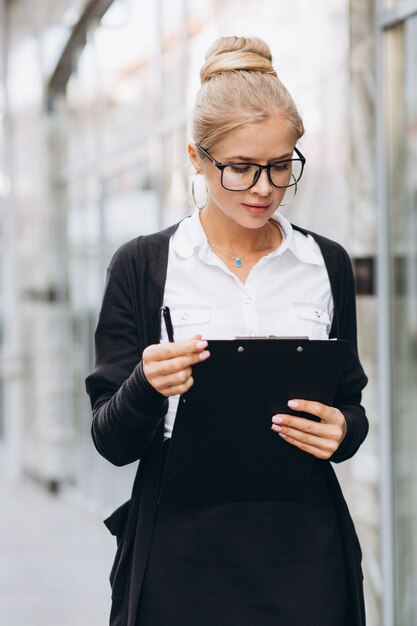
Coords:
pixel 263 185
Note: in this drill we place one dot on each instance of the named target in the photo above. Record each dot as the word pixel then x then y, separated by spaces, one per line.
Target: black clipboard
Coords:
pixel 222 447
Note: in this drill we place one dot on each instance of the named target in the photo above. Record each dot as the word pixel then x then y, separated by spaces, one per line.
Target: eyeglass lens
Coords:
pixel 241 176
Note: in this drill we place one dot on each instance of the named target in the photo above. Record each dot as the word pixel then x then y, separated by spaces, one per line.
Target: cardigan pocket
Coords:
pixel 117 523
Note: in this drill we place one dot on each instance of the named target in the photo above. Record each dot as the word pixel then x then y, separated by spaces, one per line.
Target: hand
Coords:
pixel 321 439
pixel 167 366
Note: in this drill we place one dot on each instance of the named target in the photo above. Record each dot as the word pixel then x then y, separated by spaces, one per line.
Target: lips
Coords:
pixel 257 208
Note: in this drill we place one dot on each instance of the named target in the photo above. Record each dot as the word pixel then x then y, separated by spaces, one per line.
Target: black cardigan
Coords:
pixel 128 414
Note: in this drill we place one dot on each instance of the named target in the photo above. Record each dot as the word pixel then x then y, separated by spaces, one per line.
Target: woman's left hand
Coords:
pixel 321 439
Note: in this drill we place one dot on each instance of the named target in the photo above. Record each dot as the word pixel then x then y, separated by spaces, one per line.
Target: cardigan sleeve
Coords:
pixel 353 379
pixel 127 410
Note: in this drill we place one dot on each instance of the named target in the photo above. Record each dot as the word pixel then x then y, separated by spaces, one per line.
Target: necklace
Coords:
pixel 238 259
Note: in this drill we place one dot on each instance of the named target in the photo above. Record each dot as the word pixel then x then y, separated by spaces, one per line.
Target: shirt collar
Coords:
pixel 303 247
pixel 190 236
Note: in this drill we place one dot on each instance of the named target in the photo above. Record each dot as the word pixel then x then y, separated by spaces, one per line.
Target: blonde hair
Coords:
pixel 239 86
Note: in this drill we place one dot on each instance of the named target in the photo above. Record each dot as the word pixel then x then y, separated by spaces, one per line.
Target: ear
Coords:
pixel 194 156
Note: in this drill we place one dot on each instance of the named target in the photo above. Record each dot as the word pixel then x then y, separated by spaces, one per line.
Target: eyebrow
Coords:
pixel 241 158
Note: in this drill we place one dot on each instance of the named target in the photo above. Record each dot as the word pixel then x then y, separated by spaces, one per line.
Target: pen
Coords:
pixel 168 322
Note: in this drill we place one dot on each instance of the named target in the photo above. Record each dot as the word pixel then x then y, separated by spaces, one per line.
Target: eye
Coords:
pixel 283 166
pixel 239 169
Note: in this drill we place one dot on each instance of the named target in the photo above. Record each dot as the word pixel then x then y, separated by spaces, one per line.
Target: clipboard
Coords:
pixel 222 447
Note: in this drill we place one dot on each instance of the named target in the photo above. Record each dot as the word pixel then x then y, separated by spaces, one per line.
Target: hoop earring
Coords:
pixel 295 187
pixel 200 207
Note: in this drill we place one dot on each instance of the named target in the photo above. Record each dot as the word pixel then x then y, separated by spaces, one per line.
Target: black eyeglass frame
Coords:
pixel 222 166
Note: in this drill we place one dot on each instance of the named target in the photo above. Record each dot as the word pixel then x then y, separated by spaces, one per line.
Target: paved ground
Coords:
pixel 54 561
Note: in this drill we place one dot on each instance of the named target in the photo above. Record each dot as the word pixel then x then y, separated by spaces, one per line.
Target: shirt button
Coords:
pixel 185 316
pixel 252 334
pixel 317 313
pixel 248 301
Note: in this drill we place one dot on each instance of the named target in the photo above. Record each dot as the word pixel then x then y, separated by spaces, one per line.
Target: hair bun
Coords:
pixel 231 54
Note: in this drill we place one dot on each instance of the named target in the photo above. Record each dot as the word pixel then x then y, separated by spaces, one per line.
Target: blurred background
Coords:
pixel 95 98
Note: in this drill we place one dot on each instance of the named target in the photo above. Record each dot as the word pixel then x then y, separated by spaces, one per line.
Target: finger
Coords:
pixel 170 350
pixel 318 452
pixel 172 380
pixel 323 411
pixel 172 366
pixel 328 442
pixel 325 430
pixel 178 390
pixel 300 423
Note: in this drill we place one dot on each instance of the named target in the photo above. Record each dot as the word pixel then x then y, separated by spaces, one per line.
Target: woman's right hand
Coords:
pixel 167 366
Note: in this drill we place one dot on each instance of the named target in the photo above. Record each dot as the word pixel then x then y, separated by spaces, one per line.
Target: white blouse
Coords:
pixel 287 292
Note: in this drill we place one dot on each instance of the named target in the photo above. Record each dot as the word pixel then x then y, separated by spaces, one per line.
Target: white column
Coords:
pixel 10 353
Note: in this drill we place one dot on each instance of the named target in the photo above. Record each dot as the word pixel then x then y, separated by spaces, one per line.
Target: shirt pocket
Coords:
pixel 314 319
pixel 188 321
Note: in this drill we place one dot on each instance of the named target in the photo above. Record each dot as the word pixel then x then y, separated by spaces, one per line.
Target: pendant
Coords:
pixel 238 262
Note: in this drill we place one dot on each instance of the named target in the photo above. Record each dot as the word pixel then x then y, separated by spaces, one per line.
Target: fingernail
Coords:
pixel 293 404
pixel 282 435
pixel 277 419
pixel 204 355
pixel 276 427
pixel 202 344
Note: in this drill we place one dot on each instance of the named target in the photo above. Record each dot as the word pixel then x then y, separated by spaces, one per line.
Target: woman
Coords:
pixel 235 267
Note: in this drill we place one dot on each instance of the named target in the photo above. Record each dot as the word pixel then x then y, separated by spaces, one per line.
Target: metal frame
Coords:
pixel 384 353
pixel 399 13
pixel 94 10
pixel 385 19
pixel 11 365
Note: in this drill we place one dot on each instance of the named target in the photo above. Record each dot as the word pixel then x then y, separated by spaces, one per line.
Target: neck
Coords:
pixel 227 234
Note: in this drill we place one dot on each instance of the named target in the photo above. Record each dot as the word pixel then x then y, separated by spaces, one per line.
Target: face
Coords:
pixel 264 142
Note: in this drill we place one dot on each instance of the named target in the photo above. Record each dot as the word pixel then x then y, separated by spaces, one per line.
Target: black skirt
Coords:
pixel 247 564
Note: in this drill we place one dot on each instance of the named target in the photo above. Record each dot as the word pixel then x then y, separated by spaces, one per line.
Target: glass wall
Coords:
pixel 400 88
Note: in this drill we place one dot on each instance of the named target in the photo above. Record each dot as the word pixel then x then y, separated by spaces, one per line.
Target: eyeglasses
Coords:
pixel 243 176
